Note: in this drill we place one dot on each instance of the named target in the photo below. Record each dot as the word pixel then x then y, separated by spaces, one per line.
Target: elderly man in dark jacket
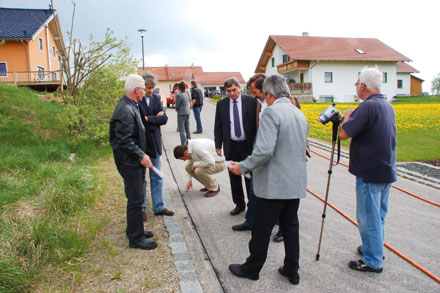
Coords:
pixel 129 144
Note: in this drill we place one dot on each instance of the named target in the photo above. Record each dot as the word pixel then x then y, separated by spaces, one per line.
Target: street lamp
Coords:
pixel 142 31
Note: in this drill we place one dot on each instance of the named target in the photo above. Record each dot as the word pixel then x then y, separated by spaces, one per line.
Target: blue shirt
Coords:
pixel 372 128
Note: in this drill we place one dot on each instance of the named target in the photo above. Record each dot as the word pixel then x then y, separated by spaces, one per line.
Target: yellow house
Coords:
pixel 30 42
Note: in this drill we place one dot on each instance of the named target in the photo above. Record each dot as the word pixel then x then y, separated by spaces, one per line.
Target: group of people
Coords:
pixel 264 138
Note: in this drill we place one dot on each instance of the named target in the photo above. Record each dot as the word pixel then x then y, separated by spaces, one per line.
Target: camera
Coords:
pixel 330 114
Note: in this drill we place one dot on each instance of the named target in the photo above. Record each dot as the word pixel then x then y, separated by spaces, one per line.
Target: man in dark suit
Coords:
pixel 154 115
pixel 235 130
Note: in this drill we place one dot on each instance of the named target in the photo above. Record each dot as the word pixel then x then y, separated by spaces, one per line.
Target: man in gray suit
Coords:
pixel 278 164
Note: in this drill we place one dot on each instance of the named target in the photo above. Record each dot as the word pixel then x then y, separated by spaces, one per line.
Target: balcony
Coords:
pixel 293 65
pixel 300 88
pixel 39 80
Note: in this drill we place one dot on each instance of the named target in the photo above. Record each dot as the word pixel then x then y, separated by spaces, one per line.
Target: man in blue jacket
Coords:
pixel 154 115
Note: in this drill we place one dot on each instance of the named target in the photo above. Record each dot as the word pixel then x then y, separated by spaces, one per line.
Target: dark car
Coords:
pixel 214 93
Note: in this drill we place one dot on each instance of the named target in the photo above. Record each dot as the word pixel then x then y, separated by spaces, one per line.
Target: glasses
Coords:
pixel 358 83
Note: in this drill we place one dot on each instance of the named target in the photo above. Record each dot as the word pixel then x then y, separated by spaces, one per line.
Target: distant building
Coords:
pixel 326 68
pixel 408 84
pixel 169 75
pixel 32 39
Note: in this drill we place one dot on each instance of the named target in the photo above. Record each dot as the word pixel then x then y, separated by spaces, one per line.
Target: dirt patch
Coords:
pixel 111 266
pixel 51 98
pixel 433 162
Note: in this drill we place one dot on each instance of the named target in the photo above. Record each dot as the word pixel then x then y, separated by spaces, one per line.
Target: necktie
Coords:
pixel 236 119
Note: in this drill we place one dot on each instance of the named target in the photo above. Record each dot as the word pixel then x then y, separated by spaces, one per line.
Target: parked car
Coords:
pixel 214 93
pixel 171 101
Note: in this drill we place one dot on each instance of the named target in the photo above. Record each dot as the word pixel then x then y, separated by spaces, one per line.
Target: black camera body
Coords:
pixel 330 114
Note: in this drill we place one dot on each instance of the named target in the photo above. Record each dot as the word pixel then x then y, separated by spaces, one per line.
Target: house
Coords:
pixel 30 42
pixel 408 84
pixel 326 68
pixel 169 75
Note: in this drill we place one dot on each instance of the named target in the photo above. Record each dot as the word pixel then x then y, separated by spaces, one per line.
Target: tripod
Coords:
pixel 334 138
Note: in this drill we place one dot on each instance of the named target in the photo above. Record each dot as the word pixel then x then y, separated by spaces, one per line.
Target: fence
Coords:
pixel 32 77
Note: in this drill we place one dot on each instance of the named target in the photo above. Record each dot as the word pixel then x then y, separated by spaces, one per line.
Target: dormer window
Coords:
pixel 359 51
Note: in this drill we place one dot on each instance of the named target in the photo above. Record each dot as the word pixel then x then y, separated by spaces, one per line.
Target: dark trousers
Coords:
pixel 134 178
pixel 238 153
pixel 250 213
pixel 267 212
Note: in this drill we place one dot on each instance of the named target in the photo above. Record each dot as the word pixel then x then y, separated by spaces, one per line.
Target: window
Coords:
pixel 3 69
pixel 286 58
pixel 273 61
pixel 53 75
pixel 328 77
pixel 326 99
pixel 40 73
pixel 359 51
pixel 384 77
pixel 399 83
pixel 54 52
pixel 40 40
pixel 59 62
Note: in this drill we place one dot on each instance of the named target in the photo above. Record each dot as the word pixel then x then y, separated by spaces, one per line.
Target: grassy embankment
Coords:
pixel 44 196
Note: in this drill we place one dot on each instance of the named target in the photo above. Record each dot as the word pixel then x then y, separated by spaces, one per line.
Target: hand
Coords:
pixel 347 114
pixel 160 113
pixel 219 152
pixel 146 162
pixel 189 185
pixel 193 167
pixel 146 118
pixel 234 169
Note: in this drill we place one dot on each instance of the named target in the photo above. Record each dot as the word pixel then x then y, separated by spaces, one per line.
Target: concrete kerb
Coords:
pixel 185 269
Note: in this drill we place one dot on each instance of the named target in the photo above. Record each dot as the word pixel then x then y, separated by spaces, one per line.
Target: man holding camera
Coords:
pixel 372 128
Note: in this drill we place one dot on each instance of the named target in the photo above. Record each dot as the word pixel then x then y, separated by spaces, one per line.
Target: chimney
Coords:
pixel 305 34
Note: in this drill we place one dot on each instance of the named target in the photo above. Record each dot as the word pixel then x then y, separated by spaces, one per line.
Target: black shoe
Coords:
pixel 143 244
pixel 147 234
pixel 359 250
pixel 237 211
pixel 241 227
pixel 294 280
pixel 236 270
pixel 360 266
pixel 278 237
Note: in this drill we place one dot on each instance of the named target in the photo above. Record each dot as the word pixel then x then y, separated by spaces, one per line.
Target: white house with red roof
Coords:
pixel 407 83
pixel 327 68
pixel 169 75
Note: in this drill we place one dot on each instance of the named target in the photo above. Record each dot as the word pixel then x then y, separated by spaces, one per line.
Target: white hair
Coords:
pixel 133 81
pixel 372 78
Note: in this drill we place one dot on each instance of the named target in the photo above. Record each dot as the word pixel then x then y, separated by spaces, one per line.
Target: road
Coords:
pixel 412 228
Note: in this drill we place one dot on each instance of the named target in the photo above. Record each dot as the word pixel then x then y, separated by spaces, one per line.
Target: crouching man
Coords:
pixel 203 161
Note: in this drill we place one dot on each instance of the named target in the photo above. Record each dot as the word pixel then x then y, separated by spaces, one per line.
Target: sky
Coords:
pixel 230 35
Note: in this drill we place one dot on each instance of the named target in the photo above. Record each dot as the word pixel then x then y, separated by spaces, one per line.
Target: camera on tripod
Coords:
pixel 330 114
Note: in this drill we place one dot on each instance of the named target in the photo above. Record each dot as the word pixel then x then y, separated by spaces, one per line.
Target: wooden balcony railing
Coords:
pixel 293 65
pixel 305 87
pixel 32 77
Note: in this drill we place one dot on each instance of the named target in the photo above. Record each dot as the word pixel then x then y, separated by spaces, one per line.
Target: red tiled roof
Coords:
pixel 192 73
pixel 403 67
pixel 325 48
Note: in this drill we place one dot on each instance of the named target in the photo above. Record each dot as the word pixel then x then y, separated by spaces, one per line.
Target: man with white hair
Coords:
pixel 278 166
pixel 131 153
pixel 372 128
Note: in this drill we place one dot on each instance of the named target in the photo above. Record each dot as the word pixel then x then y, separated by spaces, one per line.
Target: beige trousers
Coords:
pixel 203 174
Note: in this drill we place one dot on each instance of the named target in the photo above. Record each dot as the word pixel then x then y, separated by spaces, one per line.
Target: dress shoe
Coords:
pixel 148 234
pixel 241 227
pixel 143 244
pixel 165 212
pixel 236 270
pixel 196 132
pixel 293 280
pixel 278 237
pixel 204 189
pixel 213 193
pixel 237 210
pixel 362 267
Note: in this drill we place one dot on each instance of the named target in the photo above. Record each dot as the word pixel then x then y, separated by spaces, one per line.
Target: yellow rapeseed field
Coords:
pixel 409 118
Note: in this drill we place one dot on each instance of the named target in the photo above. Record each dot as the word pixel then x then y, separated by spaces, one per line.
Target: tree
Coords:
pixel 435 87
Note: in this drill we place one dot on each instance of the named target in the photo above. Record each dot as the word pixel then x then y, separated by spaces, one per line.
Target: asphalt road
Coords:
pixel 412 228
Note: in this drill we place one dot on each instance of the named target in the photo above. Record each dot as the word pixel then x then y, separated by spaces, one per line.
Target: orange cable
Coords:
pixel 386 245
pixel 395 187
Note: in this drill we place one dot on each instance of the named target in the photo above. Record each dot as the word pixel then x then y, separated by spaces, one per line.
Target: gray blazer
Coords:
pixel 182 104
pixel 278 160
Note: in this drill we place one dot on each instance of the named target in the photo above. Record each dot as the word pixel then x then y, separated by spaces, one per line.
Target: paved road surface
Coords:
pixel 412 228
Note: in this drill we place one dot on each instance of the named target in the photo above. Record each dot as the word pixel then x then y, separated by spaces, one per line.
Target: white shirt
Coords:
pixel 203 153
pixel 263 106
pixel 240 116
